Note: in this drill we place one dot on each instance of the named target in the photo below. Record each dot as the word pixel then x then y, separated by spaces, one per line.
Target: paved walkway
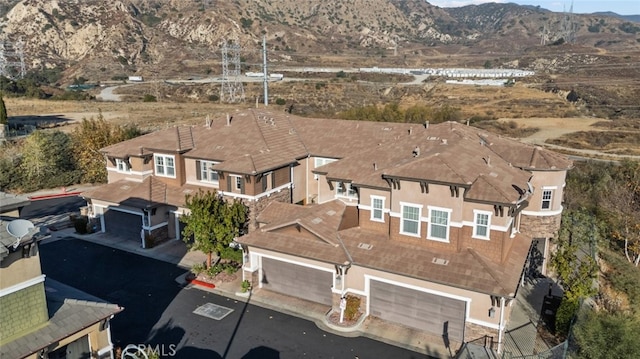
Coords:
pixel 521 335
pixel 175 252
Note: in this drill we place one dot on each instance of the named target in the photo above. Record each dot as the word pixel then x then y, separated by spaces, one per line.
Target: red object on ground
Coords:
pixel 204 284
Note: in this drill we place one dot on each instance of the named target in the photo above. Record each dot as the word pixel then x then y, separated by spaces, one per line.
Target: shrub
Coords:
pixel 214 98
pixel 353 307
pixel 149 98
pixel 234 255
pixel 246 285
pixel 280 101
pixel 80 224
pixel 564 315
pixel 341 74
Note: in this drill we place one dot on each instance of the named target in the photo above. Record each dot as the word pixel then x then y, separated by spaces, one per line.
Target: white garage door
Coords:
pixel 424 311
pixel 296 280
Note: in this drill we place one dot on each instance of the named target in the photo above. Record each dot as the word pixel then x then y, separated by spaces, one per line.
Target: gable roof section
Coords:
pixel 308 232
pixel 533 158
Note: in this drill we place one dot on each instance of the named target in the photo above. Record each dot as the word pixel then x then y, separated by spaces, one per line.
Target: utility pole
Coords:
pixel 264 70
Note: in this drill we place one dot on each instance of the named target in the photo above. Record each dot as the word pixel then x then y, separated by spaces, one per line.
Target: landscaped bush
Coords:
pixel 353 307
pixel 80 224
pixel 564 315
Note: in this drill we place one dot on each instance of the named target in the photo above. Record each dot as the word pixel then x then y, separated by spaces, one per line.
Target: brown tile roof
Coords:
pixel 151 192
pixel 272 139
pixel 466 269
pixel 447 154
pixel 308 232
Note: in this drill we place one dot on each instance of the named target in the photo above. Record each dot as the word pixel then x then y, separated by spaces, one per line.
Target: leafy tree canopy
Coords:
pixel 212 222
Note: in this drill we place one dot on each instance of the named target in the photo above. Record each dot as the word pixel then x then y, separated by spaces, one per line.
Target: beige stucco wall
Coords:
pixel 139 170
pixel 97 339
pixel 300 180
pixel 14 269
pixel 542 179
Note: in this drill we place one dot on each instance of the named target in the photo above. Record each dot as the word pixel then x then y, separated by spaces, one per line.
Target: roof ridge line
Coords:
pixel 484 263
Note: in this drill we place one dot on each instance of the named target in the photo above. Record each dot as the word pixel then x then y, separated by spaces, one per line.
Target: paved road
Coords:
pixel 159 312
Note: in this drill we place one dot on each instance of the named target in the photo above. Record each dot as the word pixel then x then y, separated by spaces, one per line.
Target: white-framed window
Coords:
pixel 345 191
pixel 165 165
pixel 482 224
pixel 320 161
pixel 122 166
pixel 206 173
pixel 410 221
pixel 547 196
pixel 377 209
pixel 439 224
pixel 237 182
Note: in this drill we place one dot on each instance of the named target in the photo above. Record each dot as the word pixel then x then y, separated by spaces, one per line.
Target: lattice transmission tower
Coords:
pixel 232 90
pixel 12 59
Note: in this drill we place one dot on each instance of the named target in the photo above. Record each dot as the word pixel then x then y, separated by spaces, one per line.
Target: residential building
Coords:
pixel 41 318
pixel 430 225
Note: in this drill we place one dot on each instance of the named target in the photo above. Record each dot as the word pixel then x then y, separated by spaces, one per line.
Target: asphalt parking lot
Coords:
pixel 159 311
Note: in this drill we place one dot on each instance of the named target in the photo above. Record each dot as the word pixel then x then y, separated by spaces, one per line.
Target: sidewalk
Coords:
pixel 175 252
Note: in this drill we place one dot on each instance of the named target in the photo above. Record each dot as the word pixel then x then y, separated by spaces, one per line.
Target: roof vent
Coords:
pixel 440 261
pixel 443 141
pixel 316 220
pixel 366 246
pixel 416 151
pixel 331 212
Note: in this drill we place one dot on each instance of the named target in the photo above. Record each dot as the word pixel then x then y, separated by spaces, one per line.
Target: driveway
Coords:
pixel 159 312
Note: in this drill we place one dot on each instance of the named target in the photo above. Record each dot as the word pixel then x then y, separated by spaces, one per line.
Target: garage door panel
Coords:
pixel 424 311
pixel 122 224
pixel 296 280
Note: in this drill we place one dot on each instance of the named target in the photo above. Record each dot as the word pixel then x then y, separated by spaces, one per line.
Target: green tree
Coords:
pixel 212 222
pixel 88 138
pixel 47 160
pixel 600 335
pixel 3 112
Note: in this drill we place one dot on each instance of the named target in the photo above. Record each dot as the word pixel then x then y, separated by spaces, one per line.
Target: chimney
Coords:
pixel 426 124
pixel 488 160
pixel 444 141
pixel 416 151
pixel 410 130
pixel 375 166
pixel 228 120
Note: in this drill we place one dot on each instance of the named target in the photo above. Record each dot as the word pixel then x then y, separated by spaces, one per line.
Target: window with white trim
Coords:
pixel 165 165
pixel 547 196
pixel 207 174
pixel 377 209
pixel 122 166
pixel 482 224
pixel 438 225
pixel 320 161
pixel 238 182
pixel 345 191
pixel 410 223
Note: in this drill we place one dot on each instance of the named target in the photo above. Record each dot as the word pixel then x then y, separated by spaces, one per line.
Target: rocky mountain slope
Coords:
pixel 103 38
